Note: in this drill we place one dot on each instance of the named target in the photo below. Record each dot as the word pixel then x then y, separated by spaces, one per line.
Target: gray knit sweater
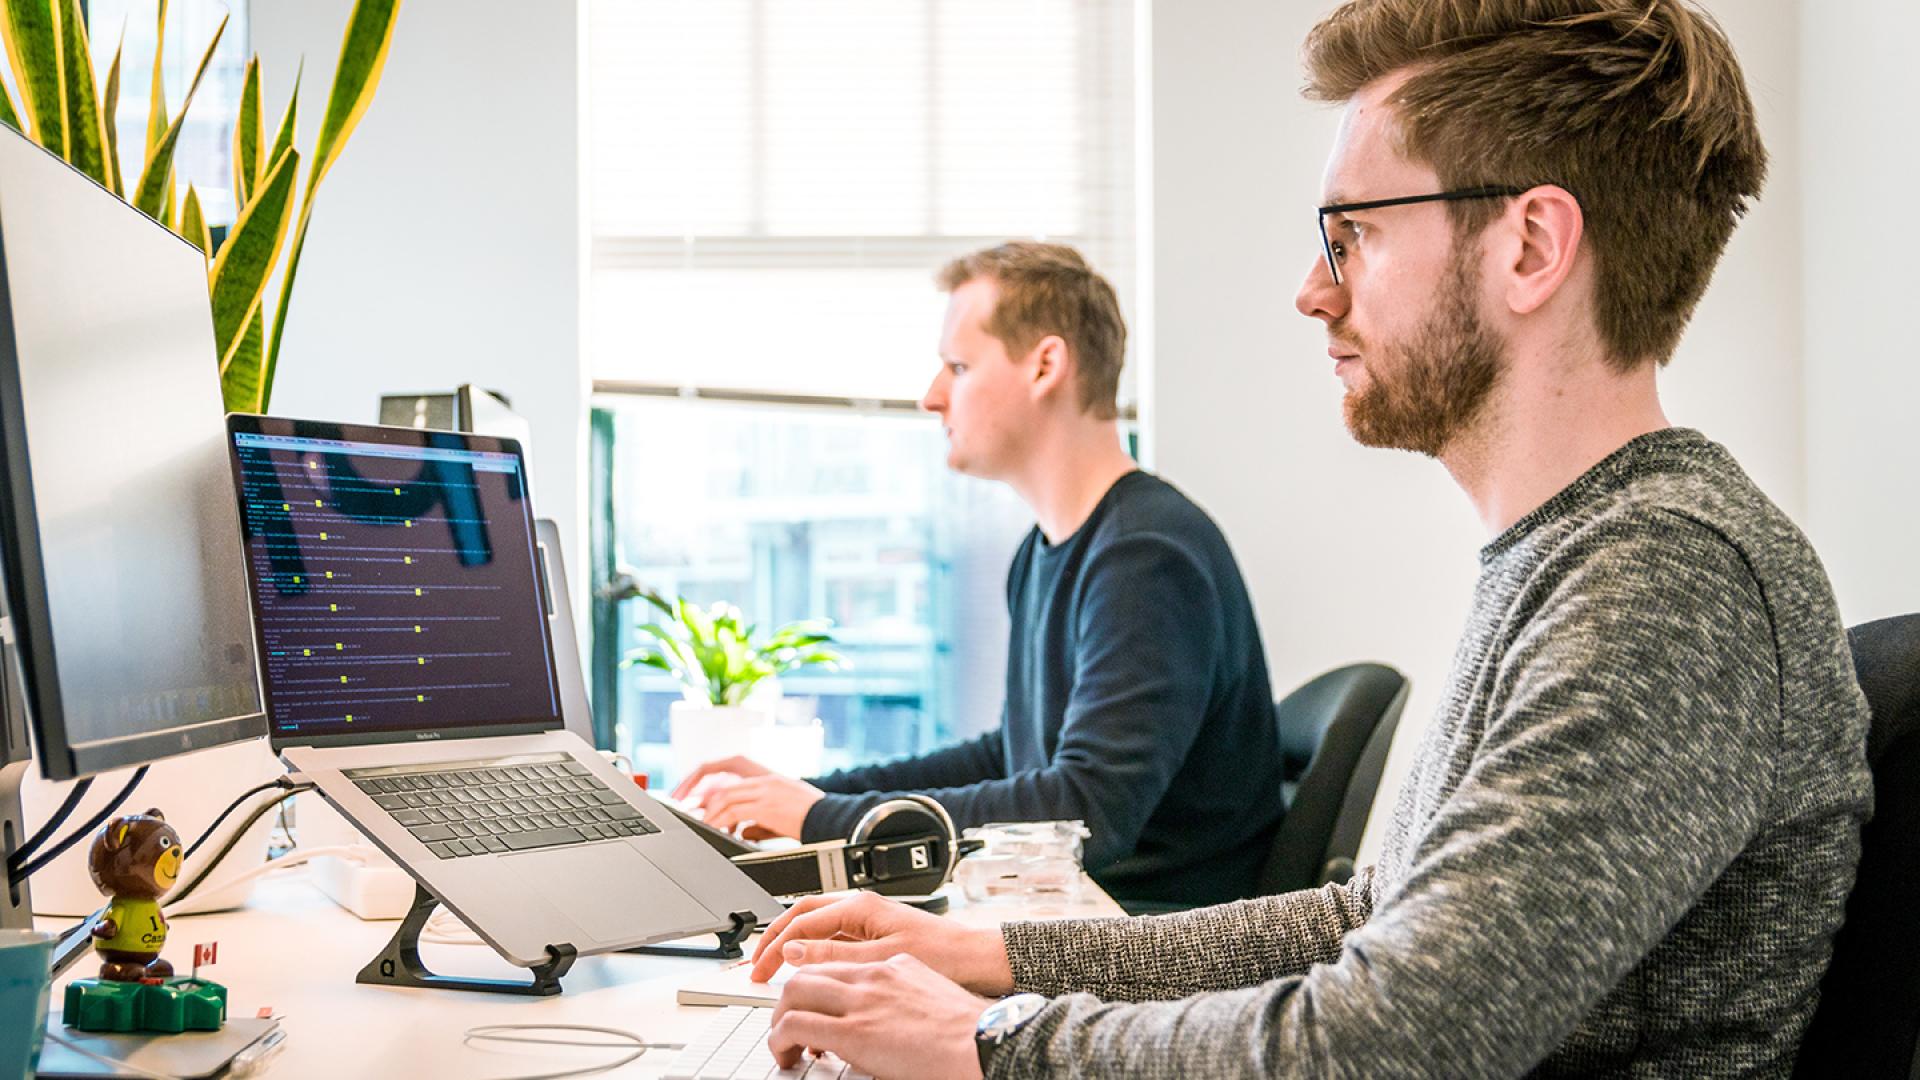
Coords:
pixel 1623 850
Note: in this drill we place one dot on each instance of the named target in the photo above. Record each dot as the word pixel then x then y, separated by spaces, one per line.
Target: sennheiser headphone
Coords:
pixel 905 846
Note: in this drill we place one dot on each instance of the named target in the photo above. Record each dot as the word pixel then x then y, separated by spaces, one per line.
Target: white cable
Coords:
pixel 506 1033
pixel 296 857
pixel 122 1067
pixel 445 928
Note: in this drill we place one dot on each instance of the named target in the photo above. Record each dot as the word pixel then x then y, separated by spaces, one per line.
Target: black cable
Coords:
pixel 233 839
pixel 16 875
pixel 25 851
pixel 277 782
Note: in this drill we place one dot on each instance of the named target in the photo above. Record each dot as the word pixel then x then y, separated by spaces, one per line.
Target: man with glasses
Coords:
pixel 1630 833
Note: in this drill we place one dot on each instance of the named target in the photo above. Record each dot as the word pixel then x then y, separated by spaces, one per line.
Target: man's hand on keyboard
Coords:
pixel 866 927
pixel 769 804
pixel 895 1018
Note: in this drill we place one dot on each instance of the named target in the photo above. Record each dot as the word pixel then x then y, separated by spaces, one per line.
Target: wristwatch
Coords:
pixel 1001 1021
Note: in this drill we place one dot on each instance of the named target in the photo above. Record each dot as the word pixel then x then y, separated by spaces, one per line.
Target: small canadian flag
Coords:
pixel 208 953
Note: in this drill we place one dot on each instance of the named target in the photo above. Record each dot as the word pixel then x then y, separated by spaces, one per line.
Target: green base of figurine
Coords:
pixel 176 1005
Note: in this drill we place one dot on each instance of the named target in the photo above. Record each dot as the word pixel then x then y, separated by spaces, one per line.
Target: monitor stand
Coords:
pixel 16 912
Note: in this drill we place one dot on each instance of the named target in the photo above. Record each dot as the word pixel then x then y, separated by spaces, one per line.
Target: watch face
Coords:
pixel 1004 1017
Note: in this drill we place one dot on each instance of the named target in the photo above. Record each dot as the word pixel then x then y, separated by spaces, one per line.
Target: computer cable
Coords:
pixel 515 1033
pixel 25 851
pixel 15 875
pixel 206 866
pixel 276 782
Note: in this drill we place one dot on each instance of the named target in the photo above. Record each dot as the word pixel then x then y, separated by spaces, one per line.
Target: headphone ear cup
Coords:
pixel 911 815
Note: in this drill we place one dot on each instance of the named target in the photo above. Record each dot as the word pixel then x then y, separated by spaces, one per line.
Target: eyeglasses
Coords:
pixel 1335 258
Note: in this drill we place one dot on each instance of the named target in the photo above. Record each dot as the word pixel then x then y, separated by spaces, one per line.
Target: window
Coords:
pixel 772 186
pixel 204 155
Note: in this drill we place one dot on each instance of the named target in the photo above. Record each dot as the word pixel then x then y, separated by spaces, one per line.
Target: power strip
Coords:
pixel 371 887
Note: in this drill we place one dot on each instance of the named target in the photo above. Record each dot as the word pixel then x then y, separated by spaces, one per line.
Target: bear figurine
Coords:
pixel 135 860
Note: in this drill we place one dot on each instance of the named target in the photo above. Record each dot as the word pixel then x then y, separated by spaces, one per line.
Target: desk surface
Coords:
pixel 292 950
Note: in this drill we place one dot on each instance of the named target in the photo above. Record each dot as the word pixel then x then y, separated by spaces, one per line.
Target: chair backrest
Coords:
pixel 1334 735
pixel 1868 1020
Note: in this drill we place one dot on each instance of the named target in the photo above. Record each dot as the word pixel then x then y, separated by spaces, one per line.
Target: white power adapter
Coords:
pixel 368 885
pixel 364 880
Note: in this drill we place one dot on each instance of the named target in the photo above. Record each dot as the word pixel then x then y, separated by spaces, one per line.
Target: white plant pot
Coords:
pixel 794 749
pixel 699 733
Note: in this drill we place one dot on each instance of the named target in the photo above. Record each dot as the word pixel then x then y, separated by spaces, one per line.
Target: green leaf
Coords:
pixel 109 102
pixel 86 128
pixel 8 114
pixel 363 54
pixel 240 383
pixel 289 120
pixel 246 260
pixel 157 94
pixel 34 49
pixel 193 223
pixel 156 181
pixel 248 135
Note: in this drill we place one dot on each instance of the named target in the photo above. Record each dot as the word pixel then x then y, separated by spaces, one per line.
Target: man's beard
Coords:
pixel 1424 392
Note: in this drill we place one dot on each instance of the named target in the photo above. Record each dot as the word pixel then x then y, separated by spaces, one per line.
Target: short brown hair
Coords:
pixel 1050 289
pixel 1636 107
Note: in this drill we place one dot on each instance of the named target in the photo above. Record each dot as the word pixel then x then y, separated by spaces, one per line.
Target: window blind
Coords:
pixel 773 182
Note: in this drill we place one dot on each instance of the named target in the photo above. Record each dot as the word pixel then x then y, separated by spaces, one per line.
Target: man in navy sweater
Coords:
pixel 1137 692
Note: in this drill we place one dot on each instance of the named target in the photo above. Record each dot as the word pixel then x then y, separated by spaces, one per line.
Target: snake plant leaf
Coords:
pixel 240 383
pixel 9 115
pixel 109 103
pixel 156 181
pixel 33 48
pixel 193 223
pixel 363 54
pixel 157 95
pixel 289 119
pixel 245 262
pixel 248 135
pixel 86 126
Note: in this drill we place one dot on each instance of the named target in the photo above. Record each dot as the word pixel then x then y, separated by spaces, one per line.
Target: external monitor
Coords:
pixel 120 542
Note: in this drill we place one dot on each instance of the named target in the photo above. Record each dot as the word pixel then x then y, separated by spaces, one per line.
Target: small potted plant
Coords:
pixel 729 680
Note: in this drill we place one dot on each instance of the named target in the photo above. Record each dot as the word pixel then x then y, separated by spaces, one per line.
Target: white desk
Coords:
pixel 291 949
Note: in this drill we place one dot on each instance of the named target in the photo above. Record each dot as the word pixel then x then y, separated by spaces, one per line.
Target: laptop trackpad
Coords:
pixel 612 891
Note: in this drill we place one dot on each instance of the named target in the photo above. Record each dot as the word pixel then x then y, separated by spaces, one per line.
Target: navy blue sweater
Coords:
pixel 1137 702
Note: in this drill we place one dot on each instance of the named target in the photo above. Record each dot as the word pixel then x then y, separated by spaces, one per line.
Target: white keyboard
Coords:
pixel 734 1047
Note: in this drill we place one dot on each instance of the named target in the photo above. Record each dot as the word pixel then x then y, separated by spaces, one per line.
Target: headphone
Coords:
pixel 905 846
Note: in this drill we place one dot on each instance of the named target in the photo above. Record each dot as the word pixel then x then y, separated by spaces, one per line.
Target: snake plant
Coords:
pixel 63 110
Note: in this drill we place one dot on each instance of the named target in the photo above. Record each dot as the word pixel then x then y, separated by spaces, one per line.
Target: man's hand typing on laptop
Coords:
pixel 738 791
pixel 892 990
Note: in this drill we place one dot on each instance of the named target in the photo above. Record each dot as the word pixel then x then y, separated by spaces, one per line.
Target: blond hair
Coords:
pixel 1050 289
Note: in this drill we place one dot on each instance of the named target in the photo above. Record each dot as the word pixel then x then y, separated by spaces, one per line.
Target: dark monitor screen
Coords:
pixel 117 528
pixel 395 582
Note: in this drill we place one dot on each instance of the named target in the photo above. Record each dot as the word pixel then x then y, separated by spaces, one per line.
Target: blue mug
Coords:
pixel 26 983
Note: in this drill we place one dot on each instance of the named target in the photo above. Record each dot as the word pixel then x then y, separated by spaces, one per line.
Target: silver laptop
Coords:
pixel 409 673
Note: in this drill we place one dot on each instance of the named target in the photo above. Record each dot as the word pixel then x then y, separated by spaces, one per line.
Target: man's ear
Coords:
pixel 1051 365
pixel 1544 227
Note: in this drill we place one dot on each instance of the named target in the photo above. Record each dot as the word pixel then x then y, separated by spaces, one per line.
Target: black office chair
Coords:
pixel 1334 735
pixel 1868 1021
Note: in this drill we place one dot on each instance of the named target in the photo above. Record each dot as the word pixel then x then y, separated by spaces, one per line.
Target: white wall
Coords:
pixel 1862 280
pixel 445 244
pixel 1364 554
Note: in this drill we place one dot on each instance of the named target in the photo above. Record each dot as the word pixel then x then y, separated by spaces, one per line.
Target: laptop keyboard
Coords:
pixel 733 1046
pixel 463 808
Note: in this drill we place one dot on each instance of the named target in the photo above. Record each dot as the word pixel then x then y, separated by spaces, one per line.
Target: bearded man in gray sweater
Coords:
pixel 1629 835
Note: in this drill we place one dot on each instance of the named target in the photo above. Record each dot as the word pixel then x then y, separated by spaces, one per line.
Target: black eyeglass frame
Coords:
pixel 1458 195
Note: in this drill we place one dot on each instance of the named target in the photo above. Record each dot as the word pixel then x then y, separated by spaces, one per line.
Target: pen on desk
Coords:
pixel 254 1059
